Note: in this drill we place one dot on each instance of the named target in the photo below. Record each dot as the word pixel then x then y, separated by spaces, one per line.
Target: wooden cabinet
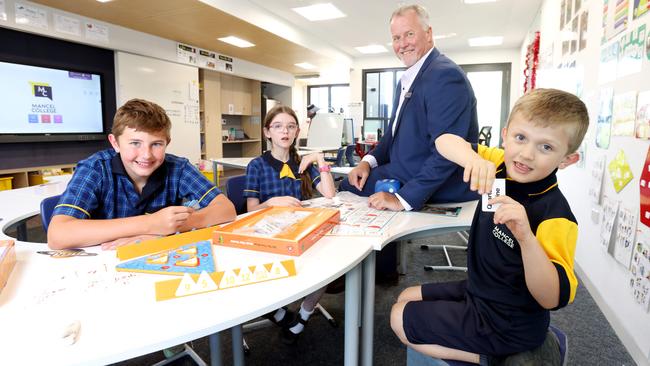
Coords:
pixel 223 96
pixel 25 177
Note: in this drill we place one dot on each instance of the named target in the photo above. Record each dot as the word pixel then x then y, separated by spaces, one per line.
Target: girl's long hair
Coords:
pixel 305 184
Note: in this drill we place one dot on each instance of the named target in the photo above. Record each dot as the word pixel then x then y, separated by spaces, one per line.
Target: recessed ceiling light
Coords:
pixel 306 65
pixel 236 41
pixel 318 12
pixel 104 1
pixel 478 1
pixel 372 48
pixel 443 36
pixel 485 41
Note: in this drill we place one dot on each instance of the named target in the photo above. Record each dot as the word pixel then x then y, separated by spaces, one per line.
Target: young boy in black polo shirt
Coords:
pixel 134 191
pixel 520 258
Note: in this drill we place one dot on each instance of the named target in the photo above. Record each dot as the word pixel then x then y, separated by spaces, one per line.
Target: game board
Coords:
pixel 193 258
pixel 193 284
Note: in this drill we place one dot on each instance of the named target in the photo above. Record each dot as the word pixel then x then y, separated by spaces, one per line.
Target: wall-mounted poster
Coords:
pixel 625 231
pixel 644 192
pixel 631 51
pixel 642 128
pixel 563 12
pixel 186 54
pixel 619 171
pixel 640 7
pixel 604 125
pixel 608 62
pixel 597 172
pixel 640 271
pixel 574 31
pixel 584 19
pixel 615 18
pixel 624 114
pixel 610 209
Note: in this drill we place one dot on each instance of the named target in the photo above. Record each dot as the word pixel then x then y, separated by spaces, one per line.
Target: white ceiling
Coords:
pixel 367 22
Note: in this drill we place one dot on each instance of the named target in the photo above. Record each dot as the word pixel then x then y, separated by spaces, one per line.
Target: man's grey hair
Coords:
pixel 421 12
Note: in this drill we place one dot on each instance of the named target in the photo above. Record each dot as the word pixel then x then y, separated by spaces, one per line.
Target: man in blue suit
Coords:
pixel 433 97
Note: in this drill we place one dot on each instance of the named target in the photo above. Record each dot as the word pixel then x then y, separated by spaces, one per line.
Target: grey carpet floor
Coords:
pixel 592 340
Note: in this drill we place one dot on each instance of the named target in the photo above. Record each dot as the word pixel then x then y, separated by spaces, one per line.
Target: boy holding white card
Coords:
pixel 520 254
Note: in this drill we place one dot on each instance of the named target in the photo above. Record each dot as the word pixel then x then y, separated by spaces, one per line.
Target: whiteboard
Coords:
pixel 174 87
pixel 325 130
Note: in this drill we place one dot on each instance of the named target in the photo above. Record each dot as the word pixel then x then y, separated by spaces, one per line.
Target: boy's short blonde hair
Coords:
pixel 142 115
pixel 547 107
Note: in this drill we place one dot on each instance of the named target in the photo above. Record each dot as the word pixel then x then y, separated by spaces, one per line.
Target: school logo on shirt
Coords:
pixel 503 237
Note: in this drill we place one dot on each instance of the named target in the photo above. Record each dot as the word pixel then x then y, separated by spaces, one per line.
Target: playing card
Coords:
pixel 498 189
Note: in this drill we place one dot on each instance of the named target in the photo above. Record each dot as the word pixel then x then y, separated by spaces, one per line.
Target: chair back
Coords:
pixel 47 208
pixel 235 192
pixel 349 155
pixel 484 135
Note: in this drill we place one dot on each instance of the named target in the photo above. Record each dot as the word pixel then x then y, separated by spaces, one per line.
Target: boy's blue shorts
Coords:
pixel 447 317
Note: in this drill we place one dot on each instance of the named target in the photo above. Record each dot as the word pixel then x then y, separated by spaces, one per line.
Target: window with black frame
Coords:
pixel 378 95
pixel 333 98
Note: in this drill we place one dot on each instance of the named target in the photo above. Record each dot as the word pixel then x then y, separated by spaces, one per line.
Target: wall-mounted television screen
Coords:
pixel 43 103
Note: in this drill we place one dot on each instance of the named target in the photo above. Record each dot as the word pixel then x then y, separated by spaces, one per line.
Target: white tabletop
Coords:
pixel 242 163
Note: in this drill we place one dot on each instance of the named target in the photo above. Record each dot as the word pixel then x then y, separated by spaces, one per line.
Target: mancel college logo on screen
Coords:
pixel 43 90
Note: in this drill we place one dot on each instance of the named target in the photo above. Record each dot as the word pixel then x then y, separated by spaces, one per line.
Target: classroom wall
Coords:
pixel 607 279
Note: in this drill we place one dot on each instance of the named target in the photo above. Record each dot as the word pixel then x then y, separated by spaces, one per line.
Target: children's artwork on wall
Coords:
pixel 640 8
pixel 644 192
pixel 619 171
pixel 615 18
pixel 608 62
pixel 642 127
pixel 640 270
pixel 625 231
pixel 603 127
pixel 574 30
pixel 631 51
pixel 610 209
pixel 584 22
pixel 597 172
pixel 624 114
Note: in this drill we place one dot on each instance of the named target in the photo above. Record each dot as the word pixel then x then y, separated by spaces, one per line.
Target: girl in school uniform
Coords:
pixel 279 177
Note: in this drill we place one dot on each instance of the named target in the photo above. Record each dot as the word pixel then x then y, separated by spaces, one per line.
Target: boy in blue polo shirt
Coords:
pixel 134 191
pixel 520 258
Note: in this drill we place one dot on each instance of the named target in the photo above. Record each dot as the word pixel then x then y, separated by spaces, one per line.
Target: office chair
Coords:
pixel 47 209
pixel 235 192
pixel 464 235
pixel 484 135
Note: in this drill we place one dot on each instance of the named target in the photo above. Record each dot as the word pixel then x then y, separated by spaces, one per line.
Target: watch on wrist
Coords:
pixel 324 168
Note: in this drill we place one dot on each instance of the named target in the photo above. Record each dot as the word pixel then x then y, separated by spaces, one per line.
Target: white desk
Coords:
pixel 122 321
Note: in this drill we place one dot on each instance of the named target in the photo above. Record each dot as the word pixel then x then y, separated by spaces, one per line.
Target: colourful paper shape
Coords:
pixel 163 244
pixel 619 171
pixel 644 191
pixel 176 262
pixel 199 284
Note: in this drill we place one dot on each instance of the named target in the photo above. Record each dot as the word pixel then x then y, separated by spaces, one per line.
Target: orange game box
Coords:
pixel 7 261
pixel 282 230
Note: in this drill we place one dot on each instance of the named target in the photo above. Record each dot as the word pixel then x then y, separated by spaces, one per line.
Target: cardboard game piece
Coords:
pixel 282 230
pixel 165 243
pixel 193 258
pixel 498 189
pixel 7 261
pixel 198 284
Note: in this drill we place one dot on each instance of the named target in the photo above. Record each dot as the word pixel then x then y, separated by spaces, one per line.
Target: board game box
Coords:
pixel 282 230
pixel 7 261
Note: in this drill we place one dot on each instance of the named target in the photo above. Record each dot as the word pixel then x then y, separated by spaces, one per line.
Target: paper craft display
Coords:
pixel 198 284
pixel 625 230
pixel 190 258
pixel 619 171
pixel 644 191
pixel 624 114
pixel 7 261
pixel 610 209
pixel 145 247
pixel 642 127
pixel 640 272
pixel 498 189
pixel 632 48
pixel 597 172
pixel 282 230
pixel 604 125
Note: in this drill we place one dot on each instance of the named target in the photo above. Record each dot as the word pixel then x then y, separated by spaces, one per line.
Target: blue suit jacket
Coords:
pixel 440 100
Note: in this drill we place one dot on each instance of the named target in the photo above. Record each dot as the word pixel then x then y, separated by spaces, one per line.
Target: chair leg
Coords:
pixel 188 351
pixel 327 315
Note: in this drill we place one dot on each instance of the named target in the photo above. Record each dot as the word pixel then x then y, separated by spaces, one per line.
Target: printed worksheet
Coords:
pixel 640 271
pixel 625 230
